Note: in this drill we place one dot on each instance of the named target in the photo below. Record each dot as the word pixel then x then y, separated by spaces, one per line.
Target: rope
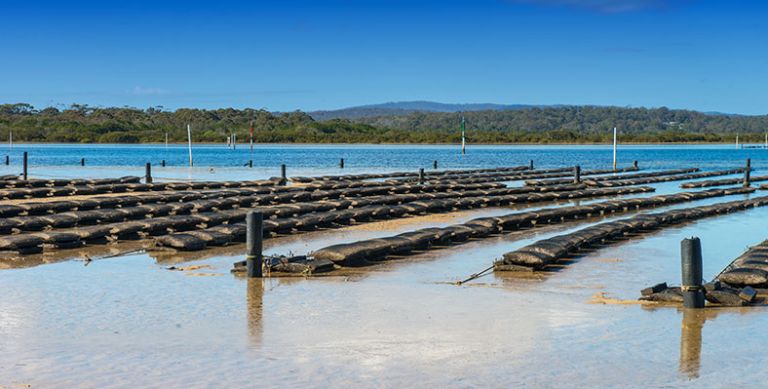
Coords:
pixel 730 265
pixel 476 275
pixel 122 253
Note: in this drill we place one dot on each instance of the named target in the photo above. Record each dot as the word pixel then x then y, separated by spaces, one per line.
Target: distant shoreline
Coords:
pixel 247 144
pixel 570 125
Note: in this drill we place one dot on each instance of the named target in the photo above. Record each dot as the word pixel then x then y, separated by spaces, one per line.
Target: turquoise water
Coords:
pixel 381 156
pixel 217 162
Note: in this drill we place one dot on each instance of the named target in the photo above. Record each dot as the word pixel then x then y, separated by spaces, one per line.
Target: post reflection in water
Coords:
pixel 255 305
pixel 690 341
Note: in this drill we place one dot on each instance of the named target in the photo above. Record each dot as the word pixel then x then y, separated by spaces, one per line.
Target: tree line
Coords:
pixel 576 124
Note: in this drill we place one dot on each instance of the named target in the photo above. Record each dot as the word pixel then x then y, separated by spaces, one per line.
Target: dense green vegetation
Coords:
pixel 84 124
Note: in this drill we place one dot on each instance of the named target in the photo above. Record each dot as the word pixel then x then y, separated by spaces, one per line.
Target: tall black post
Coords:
pixel 162 163
pixel 530 165
pixel 148 173
pixel 254 230
pixel 690 252
pixel 434 164
pixel 25 163
pixel 341 163
pixel 283 177
pixel 250 163
pixel 7 160
pixel 634 165
pixel 577 174
pixel 421 176
pixel 747 173
pixel 82 161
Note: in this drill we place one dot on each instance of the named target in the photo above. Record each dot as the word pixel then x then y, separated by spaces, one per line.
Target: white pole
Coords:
pixel 737 141
pixel 614 148
pixel 189 140
pixel 766 140
pixel 10 140
pixel 463 143
pixel 234 141
pixel 166 141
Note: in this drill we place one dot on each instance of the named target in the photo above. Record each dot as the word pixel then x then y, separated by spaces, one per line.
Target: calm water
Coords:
pixel 127 321
pixel 64 160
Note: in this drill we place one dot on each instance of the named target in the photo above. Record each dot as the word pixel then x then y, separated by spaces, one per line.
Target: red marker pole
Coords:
pixel 251 136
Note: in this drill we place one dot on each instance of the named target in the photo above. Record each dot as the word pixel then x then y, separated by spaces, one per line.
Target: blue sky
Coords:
pixel 287 55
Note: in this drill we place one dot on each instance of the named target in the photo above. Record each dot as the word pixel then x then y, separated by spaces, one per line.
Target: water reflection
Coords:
pixel 13 260
pixel 169 257
pixel 690 341
pixel 255 305
pixel 690 335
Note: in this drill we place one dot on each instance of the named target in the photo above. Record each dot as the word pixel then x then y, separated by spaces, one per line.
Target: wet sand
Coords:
pixel 129 321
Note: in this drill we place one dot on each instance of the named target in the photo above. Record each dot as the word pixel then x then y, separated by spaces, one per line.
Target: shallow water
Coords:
pixel 212 162
pixel 128 321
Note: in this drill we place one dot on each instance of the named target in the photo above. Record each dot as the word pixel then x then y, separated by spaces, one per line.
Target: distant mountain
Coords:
pixel 406 107
pixel 444 107
pixel 715 113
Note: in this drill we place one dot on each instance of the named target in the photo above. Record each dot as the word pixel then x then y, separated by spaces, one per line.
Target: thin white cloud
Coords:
pixel 142 91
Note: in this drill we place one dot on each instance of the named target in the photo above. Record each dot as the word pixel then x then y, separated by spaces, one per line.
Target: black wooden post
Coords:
pixel 24 168
pixel 253 257
pixel 747 173
pixel 690 253
pixel 148 173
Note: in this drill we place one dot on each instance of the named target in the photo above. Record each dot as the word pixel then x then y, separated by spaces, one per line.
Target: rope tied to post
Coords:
pixel 476 275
